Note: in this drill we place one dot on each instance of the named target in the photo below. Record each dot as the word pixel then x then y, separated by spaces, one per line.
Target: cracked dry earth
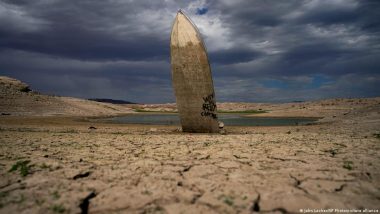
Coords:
pixel 112 168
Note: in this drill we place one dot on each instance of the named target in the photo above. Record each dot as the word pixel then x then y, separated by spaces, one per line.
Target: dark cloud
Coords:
pixel 259 50
pixel 234 55
pixel 88 30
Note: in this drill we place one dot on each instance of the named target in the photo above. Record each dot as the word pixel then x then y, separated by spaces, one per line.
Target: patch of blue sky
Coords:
pixel 202 11
pixel 319 80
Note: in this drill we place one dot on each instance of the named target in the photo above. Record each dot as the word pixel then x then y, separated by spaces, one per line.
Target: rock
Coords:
pixel 82 175
pixel 221 124
pixel 153 129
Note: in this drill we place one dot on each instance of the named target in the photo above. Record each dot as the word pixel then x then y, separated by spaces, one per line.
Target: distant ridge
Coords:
pixel 103 100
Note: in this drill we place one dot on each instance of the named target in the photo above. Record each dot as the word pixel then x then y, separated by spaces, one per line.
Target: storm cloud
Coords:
pixel 262 51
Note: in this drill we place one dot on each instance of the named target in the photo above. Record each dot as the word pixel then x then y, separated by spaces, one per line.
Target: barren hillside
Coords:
pixel 17 98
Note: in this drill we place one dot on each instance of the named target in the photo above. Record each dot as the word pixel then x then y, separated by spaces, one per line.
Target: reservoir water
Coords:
pixel 228 120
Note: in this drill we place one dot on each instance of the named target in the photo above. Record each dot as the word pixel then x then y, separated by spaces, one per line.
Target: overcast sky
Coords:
pixel 259 50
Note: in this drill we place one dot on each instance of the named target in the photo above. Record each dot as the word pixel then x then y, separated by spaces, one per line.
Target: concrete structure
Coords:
pixel 191 76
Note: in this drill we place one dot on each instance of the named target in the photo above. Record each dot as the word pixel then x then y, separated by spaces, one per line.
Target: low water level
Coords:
pixel 228 120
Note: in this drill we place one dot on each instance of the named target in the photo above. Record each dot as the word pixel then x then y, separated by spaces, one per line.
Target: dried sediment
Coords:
pixel 334 164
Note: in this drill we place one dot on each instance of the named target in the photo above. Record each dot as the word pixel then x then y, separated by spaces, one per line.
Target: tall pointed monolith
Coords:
pixel 191 76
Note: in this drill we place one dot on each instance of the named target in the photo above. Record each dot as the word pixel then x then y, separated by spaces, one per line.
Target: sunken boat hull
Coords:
pixel 191 77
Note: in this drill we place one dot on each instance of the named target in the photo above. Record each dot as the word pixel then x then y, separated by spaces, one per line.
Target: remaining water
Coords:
pixel 228 119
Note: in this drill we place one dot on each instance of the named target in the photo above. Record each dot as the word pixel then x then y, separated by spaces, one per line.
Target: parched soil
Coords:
pixel 69 165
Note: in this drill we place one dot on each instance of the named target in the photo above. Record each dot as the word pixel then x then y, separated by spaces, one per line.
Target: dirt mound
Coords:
pixel 16 98
pixel 12 86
